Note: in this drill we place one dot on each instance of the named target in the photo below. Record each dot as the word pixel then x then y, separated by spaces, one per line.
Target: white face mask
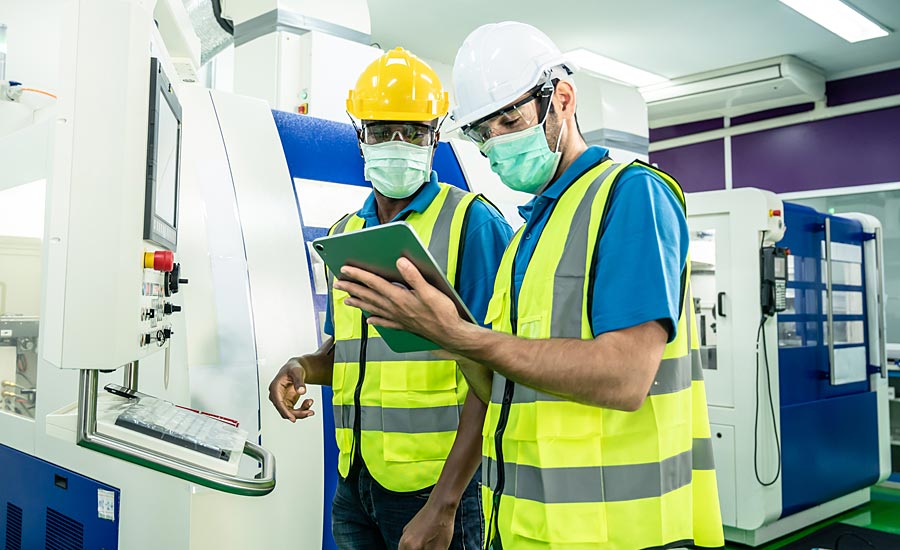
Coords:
pixel 397 169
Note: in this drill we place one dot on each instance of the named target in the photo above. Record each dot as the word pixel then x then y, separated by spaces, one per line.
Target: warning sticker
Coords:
pixel 106 504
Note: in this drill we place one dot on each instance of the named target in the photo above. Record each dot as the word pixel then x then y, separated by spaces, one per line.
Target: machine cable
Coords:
pixel 760 331
pixel 837 541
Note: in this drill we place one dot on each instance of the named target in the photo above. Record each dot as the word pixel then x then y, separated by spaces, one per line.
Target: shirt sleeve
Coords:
pixel 641 256
pixel 487 235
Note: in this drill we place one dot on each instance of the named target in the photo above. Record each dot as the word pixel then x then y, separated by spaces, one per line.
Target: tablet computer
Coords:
pixel 377 249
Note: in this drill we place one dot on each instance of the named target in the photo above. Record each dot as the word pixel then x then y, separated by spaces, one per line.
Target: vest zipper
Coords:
pixel 503 420
pixel 356 457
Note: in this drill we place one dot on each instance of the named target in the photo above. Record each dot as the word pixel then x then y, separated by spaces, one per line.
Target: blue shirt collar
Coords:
pixel 587 160
pixel 423 199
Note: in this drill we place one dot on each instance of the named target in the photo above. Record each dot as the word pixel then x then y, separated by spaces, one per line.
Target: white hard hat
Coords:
pixel 499 62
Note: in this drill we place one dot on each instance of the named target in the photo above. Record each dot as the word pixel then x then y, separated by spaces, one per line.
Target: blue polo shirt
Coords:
pixel 487 234
pixel 642 253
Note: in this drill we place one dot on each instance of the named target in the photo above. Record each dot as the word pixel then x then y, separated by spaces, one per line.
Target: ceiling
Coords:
pixel 667 37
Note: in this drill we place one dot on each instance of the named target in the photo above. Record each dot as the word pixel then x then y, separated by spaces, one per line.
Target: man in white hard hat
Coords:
pixel 597 433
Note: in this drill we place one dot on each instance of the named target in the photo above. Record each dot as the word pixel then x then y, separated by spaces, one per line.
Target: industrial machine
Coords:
pixel 97 438
pixel 165 269
pixel 789 305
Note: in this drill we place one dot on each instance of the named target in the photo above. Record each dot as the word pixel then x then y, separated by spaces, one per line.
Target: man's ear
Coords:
pixel 564 99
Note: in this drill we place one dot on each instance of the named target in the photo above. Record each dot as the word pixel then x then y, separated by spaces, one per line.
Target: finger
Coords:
pixel 369 309
pixel 369 279
pixel 411 274
pixel 298 378
pixel 367 295
pixel 386 323
pixel 284 410
pixel 277 396
pixel 304 411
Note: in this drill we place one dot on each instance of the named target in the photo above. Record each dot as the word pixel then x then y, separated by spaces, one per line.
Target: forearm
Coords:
pixel 605 372
pixel 464 457
pixel 319 365
pixel 479 377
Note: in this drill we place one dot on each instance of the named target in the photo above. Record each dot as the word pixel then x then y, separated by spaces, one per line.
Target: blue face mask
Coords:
pixel 523 160
pixel 397 169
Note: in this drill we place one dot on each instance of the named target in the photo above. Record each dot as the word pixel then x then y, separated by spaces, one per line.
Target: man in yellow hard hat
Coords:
pixel 597 435
pixel 408 430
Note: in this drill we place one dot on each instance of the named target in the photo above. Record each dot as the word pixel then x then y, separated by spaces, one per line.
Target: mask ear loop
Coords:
pixel 544 122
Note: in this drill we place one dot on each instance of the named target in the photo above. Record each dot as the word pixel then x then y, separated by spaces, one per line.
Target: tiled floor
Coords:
pixel 882 514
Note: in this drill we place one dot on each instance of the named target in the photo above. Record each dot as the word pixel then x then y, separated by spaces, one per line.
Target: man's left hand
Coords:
pixel 430 529
pixel 421 309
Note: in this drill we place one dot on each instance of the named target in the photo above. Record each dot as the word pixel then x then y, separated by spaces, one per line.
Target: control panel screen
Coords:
pixel 166 162
pixel 163 160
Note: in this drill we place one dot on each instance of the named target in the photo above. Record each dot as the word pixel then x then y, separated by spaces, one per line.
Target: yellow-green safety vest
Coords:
pixel 581 477
pixel 404 407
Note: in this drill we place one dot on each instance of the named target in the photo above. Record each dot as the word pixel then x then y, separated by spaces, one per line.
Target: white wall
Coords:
pixel 33 41
pixel 22 210
pixel 20 276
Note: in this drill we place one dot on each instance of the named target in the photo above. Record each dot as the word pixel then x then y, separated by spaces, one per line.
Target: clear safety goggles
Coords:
pixel 514 118
pixel 373 133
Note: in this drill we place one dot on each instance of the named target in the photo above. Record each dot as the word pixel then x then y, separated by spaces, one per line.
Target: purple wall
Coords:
pixel 772 113
pixel 678 130
pixel 859 88
pixel 836 152
pixel 697 167
pixel 857 149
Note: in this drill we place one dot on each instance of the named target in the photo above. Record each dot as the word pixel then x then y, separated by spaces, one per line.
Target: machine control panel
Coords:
pixel 773 279
pixel 161 280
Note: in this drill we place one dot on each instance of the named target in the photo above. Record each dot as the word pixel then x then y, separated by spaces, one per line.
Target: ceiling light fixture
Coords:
pixel 604 66
pixel 838 18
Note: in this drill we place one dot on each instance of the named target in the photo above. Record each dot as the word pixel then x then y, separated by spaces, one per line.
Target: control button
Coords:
pixel 171 308
pixel 163 260
pixel 173 279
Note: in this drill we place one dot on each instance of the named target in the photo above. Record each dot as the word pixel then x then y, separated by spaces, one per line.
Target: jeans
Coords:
pixel 366 516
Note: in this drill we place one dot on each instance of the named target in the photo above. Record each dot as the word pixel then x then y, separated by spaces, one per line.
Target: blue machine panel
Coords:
pixel 45 506
pixel 829 433
pixel 323 150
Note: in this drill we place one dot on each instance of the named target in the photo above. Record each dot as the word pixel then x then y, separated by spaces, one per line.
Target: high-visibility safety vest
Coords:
pixel 401 409
pixel 562 475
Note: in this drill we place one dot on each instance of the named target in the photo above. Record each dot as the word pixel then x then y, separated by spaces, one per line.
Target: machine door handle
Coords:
pixel 720 305
pixel 829 293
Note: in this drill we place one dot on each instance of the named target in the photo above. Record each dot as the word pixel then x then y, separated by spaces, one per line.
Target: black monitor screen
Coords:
pixel 163 160
pixel 166 163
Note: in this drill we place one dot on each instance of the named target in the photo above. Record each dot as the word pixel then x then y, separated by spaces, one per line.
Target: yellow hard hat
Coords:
pixel 398 86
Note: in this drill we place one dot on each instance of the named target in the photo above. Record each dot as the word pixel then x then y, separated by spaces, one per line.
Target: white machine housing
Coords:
pixel 743 220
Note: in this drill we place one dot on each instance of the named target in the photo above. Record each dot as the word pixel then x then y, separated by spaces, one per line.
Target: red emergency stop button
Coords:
pixel 164 260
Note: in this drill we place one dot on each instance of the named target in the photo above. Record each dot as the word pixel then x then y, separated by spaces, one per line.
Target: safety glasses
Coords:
pixel 373 133
pixel 514 118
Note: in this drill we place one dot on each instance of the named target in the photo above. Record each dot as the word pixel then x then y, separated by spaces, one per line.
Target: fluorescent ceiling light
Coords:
pixel 604 66
pixel 838 18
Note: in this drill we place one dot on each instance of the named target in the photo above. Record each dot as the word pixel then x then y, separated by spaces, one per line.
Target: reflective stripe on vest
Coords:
pixel 408 404
pixel 586 477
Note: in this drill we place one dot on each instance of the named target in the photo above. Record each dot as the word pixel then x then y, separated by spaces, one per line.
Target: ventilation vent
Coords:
pixel 63 532
pixel 13 527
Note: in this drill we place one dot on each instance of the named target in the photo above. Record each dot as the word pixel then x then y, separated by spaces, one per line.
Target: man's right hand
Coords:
pixel 286 389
